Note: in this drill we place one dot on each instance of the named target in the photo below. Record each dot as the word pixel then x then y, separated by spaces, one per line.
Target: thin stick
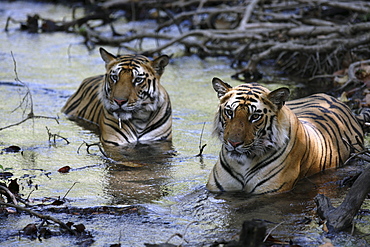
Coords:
pixel 31 114
pixel 51 135
pixel 269 233
pixel 69 190
pixel 201 148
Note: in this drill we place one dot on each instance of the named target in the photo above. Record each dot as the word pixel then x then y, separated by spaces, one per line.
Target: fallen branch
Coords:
pixel 351 74
pixel 304 37
pixel 360 6
pixel 340 218
pixel 4 190
pixel 64 197
pixel 41 216
pixel 292 46
pixel 248 13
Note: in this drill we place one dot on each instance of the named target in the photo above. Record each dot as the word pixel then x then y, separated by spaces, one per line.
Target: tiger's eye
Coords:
pixel 229 112
pixel 139 80
pixel 114 78
pixel 254 117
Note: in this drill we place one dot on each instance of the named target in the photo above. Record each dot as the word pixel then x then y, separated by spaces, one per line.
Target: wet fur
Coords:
pixel 128 103
pixel 268 144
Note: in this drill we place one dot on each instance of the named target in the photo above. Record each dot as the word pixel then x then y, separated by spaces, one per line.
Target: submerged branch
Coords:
pixel 41 216
pixel 342 217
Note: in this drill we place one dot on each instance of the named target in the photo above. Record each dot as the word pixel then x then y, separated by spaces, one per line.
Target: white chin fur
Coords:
pixel 123 115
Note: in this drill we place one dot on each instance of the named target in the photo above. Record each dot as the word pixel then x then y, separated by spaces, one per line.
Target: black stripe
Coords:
pixel 230 171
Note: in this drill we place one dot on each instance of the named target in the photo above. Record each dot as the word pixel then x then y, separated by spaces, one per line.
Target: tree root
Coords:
pixel 304 37
pixel 340 218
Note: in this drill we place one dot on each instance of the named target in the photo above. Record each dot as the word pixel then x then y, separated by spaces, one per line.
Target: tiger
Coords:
pixel 269 143
pixel 128 103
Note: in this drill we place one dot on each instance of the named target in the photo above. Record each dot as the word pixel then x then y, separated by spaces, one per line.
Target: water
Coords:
pixel 167 190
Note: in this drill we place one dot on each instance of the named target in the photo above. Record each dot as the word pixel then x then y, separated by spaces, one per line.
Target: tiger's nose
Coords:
pixel 235 143
pixel 120 101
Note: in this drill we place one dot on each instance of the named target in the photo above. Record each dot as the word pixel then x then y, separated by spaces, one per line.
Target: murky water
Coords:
pixel 168 188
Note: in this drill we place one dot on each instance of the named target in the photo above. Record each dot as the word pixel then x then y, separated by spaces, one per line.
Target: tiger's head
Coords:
pixel 131 83
pixel 248 121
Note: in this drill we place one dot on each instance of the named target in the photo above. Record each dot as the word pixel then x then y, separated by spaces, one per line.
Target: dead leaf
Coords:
pixel 340 80
pixel 69 224
pixel 64 169
pixel 11 149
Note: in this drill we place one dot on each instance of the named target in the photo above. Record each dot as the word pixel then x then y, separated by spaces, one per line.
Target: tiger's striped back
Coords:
pixel 78 106
pixel 326 117
pixel 128 103
pixel 267 145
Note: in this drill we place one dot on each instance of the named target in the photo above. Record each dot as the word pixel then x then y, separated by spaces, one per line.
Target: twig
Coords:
pixel 200 32
pixel 69 190
pixel 55 135
pixel 271 230
pixel 90 145
pixel 201 147
pixel 359 154
pixel 31 114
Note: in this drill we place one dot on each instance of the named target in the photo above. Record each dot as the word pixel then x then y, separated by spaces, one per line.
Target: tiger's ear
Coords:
pixel 107 57
pixel 160 63
pixel 220 87
pixel 279 96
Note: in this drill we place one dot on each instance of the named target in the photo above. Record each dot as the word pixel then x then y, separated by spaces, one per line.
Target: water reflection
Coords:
pixel 148 152
pixel 290 216
pixel 139 172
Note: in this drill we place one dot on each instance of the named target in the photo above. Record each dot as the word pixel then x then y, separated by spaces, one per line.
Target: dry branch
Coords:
pixel 248 14
pixel 351 73
pixel 342 217
pixel 41 216
pixel 291 46
pixel 304 37
pixel 4 190
pixel 357 6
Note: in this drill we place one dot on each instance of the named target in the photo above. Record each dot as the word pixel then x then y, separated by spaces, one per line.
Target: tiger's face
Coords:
pixel 131 84
pixel 247 121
